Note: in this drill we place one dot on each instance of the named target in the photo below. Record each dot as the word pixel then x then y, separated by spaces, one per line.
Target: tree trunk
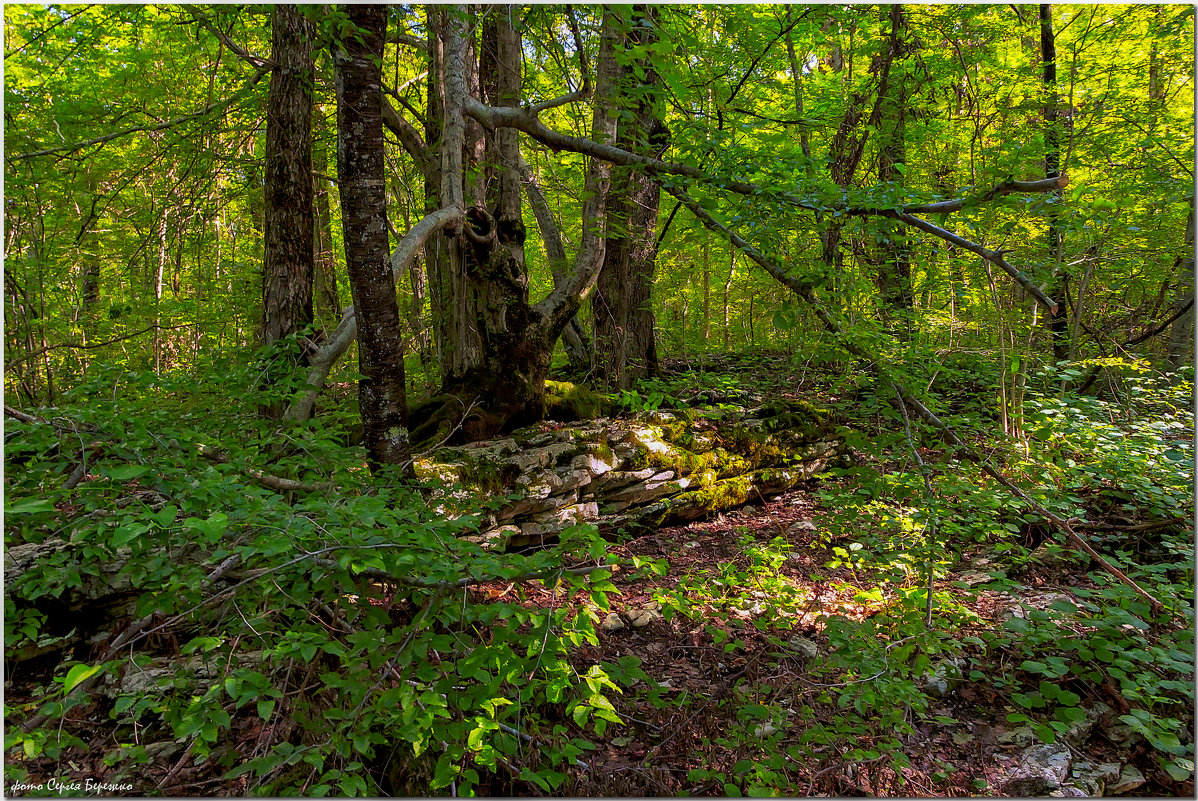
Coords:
pixel 1182 332
pixel 327 295
pixel 504 388
pixel 288 240
pixel 574 338
pixel 894 260
pixel 1058 323
pixel 454 310
pixel 382 395
pixel 625 347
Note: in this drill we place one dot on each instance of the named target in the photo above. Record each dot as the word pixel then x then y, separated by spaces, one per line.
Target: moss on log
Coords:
pixel 627 475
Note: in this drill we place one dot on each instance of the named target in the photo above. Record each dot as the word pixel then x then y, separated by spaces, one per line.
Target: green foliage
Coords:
pixel 343 615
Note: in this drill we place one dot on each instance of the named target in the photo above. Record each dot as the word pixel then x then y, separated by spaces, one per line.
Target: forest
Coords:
pixel 578 400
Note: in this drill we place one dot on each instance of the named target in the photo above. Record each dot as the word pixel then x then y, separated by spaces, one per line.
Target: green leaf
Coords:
pixel 128 472
pixel 79 674
pixel 126 534
pixel 29 508
pixel 266 708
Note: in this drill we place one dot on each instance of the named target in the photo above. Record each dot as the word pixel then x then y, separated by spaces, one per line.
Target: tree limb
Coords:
pixel 406 132
pixel 200 19
pixel 376 574
pixel 524 119
pixel 93 345
pixel 321 363
pixel 870 361
pixel 993 256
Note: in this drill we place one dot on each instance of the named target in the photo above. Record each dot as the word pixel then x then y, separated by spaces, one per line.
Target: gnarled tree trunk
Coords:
pixel 504 388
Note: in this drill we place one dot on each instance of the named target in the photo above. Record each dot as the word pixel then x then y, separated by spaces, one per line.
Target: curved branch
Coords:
pixel 993 256
pixel 870 361
pixel 321 363
pixel 407 134
pixel 526 120
pixel 200 19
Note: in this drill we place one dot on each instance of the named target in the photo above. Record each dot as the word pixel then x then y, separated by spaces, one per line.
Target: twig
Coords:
pixel 1172 521
pixel 381 575
pixel 128 636
pixel 265 479
pixel 92 345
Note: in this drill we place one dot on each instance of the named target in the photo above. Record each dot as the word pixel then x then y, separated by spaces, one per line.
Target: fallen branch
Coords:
pixel 376 574
pixel 267 480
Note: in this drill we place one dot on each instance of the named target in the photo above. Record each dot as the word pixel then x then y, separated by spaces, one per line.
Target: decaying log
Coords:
pixel 627 475
pixel 619 474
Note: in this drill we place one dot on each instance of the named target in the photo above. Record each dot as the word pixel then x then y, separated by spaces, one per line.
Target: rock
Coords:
pixel 495 539
pixel 1079 731
pixel 1123 735
pixel 647 614
pixel 802 525
pixel 1020 737
pixel 1042 769
pixel 1067 791
pixel 763 730
pixel 1092 779
pixel 612 622
pixel 943 677
pixel 805 647
pixel 973 578
pixel 633 474
pixel 1129 779
pixel 962 737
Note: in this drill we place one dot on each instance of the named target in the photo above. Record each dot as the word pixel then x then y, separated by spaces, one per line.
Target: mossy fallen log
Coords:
pixel 632 474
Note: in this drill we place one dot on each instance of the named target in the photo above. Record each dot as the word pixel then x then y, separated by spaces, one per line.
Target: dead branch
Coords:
pixel 93 345
pixel 265 479
pixel 902 395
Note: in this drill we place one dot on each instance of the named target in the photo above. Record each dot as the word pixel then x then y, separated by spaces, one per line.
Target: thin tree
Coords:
pixel 625 343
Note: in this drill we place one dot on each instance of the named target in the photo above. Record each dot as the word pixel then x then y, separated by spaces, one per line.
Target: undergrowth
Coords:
pixel 343 639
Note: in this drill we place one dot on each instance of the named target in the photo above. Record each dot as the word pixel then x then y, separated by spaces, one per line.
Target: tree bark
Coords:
pixel 381 390
pixel 574 338
pixel 327 295
pixel 505 388
pixel 1058 321
pixel 625 346
pixel 1182 332
pixel 288 236
pixel 894 263
pixel 454 310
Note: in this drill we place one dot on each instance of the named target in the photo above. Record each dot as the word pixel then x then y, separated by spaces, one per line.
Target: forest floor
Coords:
pixel 743 654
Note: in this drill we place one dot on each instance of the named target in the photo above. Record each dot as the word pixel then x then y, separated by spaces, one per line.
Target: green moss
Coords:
pixel 566 402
